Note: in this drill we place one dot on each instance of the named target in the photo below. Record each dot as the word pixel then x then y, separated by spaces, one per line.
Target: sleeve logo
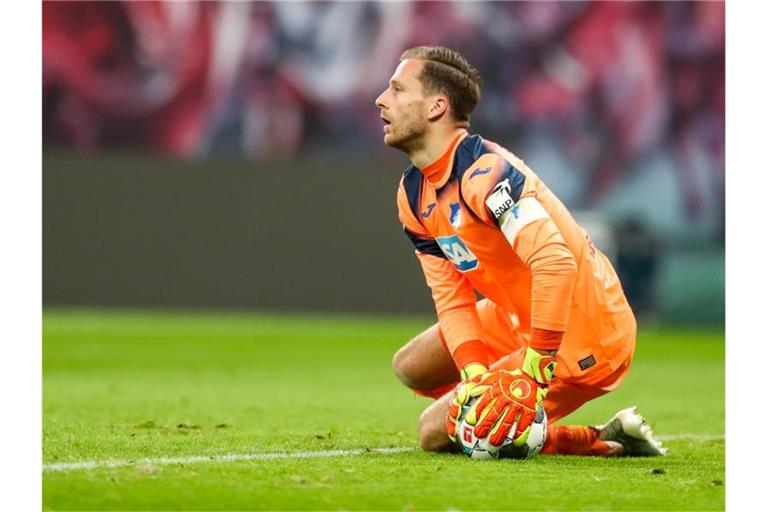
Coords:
pixel 479 171
pixel 500 198
pixel 522 213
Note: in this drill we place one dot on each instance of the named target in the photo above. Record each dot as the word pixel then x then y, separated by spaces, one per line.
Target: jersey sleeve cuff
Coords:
pixel 544 339
pixel 473 351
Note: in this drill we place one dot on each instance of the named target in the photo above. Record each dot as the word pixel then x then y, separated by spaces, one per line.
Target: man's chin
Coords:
pixel 390 141
pixel 394 142
pixel 405 143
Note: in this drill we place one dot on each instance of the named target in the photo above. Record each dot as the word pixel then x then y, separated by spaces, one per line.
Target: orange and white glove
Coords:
pixel 471 385
pixel 510 398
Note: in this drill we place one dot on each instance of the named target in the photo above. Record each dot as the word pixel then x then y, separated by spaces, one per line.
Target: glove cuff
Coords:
pixel 472 370
pixel 538 366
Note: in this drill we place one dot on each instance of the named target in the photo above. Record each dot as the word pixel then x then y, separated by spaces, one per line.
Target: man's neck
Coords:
pixel 434 147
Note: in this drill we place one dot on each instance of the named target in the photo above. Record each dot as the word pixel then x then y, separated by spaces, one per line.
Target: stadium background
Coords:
pixel 228 155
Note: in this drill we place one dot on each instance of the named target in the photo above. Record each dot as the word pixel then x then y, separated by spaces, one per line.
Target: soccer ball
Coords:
pixel 483 449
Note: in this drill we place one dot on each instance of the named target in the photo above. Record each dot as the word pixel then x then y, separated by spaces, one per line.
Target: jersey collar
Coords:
pixel 438 172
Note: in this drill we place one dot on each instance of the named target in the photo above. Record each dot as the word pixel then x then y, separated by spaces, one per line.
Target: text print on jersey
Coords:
pixel 457 253
pixel 500 199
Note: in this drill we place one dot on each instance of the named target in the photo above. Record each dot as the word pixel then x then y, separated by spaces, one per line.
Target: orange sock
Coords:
pixel 575 440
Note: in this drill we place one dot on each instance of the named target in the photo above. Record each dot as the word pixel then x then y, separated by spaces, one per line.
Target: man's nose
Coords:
pixel 380 101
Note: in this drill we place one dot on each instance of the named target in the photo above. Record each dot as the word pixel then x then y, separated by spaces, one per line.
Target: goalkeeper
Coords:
pixel 481 220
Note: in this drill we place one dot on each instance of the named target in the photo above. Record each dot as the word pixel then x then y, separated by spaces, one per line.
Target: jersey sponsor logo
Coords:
pixel 500 198
pixel 426 213
pixel 479 171
pixel 455 217
pixel 457 253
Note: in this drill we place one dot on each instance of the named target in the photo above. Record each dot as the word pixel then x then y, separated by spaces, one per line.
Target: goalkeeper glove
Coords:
pixel 511 399
pixel 471 385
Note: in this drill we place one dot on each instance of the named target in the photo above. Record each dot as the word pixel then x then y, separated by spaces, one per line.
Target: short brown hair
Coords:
pixel 447 72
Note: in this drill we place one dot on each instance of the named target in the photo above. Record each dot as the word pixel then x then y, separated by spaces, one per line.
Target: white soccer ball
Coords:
pixel 483 449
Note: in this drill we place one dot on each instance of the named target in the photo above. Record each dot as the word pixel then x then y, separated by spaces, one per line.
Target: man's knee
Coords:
pixel 424 363
pixel 404 367
pixel 411 363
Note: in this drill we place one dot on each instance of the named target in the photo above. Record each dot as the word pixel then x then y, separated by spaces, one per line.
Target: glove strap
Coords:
pixel 539 366
pixel 472 370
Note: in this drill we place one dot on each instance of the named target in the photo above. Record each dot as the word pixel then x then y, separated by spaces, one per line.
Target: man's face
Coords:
pixel 403 107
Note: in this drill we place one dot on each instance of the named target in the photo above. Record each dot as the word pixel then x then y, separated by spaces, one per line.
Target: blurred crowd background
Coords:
pixel 619 106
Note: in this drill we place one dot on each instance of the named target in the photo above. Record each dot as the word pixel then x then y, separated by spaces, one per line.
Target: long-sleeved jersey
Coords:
pixel 481 220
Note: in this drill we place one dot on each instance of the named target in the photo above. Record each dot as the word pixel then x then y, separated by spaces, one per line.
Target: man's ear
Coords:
pixel 437 107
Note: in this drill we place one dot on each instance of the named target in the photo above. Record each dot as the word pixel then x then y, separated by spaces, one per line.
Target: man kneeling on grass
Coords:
pixel 554 313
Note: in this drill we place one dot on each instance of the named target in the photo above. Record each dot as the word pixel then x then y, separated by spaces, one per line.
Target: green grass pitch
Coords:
pixel 123 386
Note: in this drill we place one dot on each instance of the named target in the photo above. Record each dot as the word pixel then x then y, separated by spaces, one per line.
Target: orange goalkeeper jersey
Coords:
pixel 480 219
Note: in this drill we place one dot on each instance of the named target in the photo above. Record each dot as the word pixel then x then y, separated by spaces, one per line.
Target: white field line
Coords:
pixel 692 437
pixel 234 457
pixel 229 457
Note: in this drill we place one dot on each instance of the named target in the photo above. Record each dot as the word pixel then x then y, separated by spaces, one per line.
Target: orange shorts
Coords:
pixel 507 345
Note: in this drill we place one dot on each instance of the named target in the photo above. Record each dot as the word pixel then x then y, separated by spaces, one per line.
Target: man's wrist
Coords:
pixel 472 351
pixel 545 340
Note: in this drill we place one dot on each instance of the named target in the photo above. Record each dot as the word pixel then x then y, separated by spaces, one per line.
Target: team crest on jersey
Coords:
pixel 457 253
pixel 455 217
pixel 500 198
